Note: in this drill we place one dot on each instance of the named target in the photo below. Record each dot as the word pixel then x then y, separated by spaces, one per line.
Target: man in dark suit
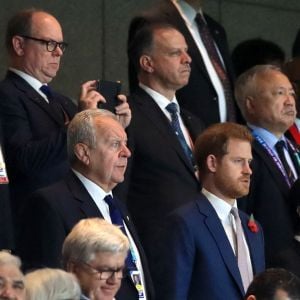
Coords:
pixel 98 155
pixel 162 173
pixel 208 93
pixel 35 118
pixel 267 101
pixel 211 250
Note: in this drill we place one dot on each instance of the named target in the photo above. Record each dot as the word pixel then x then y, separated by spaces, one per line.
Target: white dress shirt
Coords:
pixel 33 82
pixel 98 195
pixel 162 102
pixel 223 209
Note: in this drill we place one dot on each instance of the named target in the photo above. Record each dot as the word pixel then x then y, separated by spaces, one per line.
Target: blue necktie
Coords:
pixel 172 109
pixel 116 219
pixel 47 91
pixel 56 105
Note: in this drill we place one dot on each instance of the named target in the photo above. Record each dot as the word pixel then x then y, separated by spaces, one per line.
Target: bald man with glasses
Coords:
pixel 34 117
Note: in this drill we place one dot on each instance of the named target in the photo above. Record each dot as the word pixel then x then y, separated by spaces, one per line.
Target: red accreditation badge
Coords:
pixel 3 174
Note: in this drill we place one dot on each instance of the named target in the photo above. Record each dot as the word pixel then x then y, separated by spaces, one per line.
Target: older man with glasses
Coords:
pixel 95 251
pixel 34 117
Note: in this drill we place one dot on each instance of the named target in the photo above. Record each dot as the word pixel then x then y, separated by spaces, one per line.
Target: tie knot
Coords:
pixel 280 145
pixel 109 200
pixel 172 108
pixel 46 90
pixel 234 211
pixel 200 20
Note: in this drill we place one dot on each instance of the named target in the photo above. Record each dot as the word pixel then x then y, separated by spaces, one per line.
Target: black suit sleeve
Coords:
pixel 29 152
pixel 42 234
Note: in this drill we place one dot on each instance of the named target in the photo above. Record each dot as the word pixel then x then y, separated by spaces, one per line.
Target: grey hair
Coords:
pixel 51 284
pixel 82 130
pixel 9 259
pixel 91 236
pixel 246 84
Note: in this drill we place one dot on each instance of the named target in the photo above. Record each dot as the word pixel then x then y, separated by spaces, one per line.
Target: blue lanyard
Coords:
pixel 274 157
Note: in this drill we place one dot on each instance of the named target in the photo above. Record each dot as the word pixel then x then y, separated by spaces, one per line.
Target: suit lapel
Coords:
pixel 251 242
pixel 274 171
pixel 153 113
pixel 87 204
pixel 33 96
pixel 216 229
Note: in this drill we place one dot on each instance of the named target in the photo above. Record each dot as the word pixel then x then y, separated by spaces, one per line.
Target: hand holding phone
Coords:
pixel 110 91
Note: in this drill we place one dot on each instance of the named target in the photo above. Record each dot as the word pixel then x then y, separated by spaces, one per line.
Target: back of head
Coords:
pixel 268 284
pixel 254 52
pixel 214 140
pixel 91 236
pixel 51 284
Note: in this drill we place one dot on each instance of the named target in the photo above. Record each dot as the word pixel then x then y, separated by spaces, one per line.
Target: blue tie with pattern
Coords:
pixel 173 110
pixel 116 219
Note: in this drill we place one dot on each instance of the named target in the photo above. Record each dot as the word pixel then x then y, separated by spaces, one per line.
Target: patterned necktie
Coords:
pixel 241 253
pixel 116 219
pixel 172 109
pixel 212 52
pixel 54 104
pixel 279 146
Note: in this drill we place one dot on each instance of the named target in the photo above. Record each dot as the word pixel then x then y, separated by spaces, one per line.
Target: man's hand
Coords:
pixel 89 97
pixel 123 111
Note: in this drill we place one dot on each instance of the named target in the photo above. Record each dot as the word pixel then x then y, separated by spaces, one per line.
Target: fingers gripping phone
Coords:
pixel 109 90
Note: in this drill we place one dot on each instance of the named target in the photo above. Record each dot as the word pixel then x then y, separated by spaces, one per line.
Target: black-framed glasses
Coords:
pixel 51 45
pixel 105 274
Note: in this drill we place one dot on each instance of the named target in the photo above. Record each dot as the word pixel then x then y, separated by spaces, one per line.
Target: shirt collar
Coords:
pixel 36 84
pixel 159 99
pixel 297 123
pixel 221 207
pixel 187 10
pixel 95 191
pixel 269 138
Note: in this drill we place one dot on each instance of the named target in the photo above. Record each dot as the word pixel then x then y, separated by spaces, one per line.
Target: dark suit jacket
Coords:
pixel 199 96
pixel 34 136
pixel 159 177
pixel 50 215
pixel 199 262
pixel 268 202
pixel 6 226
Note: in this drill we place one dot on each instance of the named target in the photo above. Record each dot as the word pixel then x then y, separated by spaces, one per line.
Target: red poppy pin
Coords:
pixel 252 224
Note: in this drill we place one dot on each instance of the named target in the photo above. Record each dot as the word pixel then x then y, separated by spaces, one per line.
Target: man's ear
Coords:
pixel 82 153
pixel 211 162
pixel 250 105
pixel 18 45
pixel 146 63
pixel 71 267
